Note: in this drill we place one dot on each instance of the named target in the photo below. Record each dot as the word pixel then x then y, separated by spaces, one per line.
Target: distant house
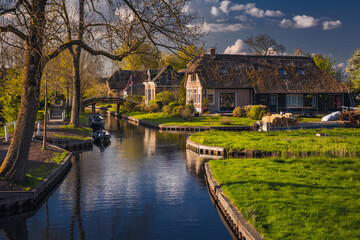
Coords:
pixel 120 82
pixel 284 83
pixel 167 79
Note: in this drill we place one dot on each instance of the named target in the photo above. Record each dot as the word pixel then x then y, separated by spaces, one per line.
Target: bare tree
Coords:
pixel 263 44
pixel 41 32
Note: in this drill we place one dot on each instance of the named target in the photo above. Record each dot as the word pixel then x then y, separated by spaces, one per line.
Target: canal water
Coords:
pixel 143 186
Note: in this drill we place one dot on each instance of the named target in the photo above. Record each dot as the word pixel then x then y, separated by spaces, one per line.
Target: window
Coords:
pixel 294 100
pixel 263 98
pixel 194 95
pixel 222 71
pixel 301 72
pixel 199 95
pixel 210 96
pixel 193 77
pixel 282 72
pixel 314 101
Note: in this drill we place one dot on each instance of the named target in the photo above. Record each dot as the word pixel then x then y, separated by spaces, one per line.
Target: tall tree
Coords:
pixel 263 44
pixel 353 70
pixel 38 27
pixel 181 58
pixel 327 64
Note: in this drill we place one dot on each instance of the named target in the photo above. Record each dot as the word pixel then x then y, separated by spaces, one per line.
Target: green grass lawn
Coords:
pixel 166 119
pixel 312 198
pixel 309 119
pixel 337 142
pixel 36 175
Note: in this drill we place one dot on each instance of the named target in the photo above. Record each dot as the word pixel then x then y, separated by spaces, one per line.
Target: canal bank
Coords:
pixel 143 180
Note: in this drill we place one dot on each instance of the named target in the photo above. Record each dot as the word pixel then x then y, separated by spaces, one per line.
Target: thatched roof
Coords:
pixel 120 78
pixel 167 76
pixel 262 74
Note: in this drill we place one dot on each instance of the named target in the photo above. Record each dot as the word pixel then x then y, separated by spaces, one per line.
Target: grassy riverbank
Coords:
pixel 336 142
pixel 167 119
pixel 312 198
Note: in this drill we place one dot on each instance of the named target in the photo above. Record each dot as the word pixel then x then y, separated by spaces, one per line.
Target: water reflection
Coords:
pixel 144 186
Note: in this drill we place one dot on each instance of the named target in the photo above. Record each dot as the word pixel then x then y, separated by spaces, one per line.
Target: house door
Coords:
pixel 273 103
pixel 227 101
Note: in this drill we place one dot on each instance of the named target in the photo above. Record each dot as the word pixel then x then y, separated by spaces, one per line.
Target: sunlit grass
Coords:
pixel 311 198
pixel 36 175
pixel 336 142
pixel 167 119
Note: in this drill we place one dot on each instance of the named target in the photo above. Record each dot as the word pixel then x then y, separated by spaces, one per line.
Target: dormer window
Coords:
pixel 301 72
pixel 282 72
pixel 222 71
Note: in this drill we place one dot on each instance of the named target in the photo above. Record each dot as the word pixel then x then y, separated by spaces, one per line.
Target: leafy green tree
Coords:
pixel 353 69
pixel 327 64
pixel 181 58
pixel 146 56
pixel 11 94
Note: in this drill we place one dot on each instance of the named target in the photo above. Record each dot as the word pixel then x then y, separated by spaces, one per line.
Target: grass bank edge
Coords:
pixel 296 198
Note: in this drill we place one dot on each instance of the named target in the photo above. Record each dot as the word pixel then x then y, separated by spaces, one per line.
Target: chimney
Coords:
pixel 212 52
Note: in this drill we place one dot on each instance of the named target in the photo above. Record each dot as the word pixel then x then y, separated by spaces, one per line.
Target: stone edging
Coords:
pixel 12 202
pixel 242 228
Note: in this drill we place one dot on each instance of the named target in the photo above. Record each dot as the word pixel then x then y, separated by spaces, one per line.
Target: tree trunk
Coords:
pixel 75 107
pixel 14 165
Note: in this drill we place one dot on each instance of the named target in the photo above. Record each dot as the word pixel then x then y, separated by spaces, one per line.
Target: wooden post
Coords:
pixel 93 108
pixel 46 116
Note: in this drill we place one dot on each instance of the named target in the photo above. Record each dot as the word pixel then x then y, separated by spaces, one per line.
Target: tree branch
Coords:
pixel 17 32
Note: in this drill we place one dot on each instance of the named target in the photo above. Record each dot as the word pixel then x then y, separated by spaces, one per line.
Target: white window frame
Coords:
pixel 211 92
pixel 293 100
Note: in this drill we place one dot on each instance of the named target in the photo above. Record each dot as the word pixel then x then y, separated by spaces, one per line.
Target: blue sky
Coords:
pixel 317 26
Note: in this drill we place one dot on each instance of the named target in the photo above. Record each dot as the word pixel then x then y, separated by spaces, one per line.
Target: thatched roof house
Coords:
pixel 281 82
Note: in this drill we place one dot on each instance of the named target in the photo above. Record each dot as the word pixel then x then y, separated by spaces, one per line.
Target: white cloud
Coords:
pixel 211 1
pixel 304 21
pixel 299 22
pixel 272 13
pixel 224 6
pixel 328 25
pixel 242 18
pixel 340 66
pixel 242 7
pixel 215 11
pixel 236 48
pixel 222 27
pixel 256 12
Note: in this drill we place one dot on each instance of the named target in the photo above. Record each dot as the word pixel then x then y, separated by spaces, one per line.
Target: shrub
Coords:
pixel 258 111
pixel 247 110
pixel 177 111
pixel 166 109
pixel 196 113
pixel 137 108
pixel 144 108
pixel 238 112
pixel 185 113
pixel 165 97
pixel 154 108
pixel 158 102
pixel 190 107
pixel 128 106
pixel 172 105
pixel 225 121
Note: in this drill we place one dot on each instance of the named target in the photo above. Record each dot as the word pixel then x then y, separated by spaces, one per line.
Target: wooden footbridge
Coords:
pixel 111 100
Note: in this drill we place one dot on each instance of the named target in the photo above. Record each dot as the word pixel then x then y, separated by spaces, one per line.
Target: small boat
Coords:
pixel 101 135
pixel 96 121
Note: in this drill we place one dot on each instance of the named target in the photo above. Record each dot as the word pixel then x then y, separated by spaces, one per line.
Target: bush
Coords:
pixel 190 107
pixel 258 111
pixel 238 112
pixel 165 97
pixel 247 110
pixel 144 108
pixel 154 108
pixel 137 108
pixel 196 113
pixel 128 107
pixel 225 121
pixel 185 113
pixel 177 111
pixel 172 105
pixel 166 109
pixel 158 102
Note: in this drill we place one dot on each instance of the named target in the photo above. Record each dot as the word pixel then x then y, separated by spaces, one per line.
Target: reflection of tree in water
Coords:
pixel 77 204
pixel 15 230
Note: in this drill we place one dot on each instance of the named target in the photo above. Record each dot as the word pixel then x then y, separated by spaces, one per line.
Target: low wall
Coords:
pixel 240 227
pixel 13 202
